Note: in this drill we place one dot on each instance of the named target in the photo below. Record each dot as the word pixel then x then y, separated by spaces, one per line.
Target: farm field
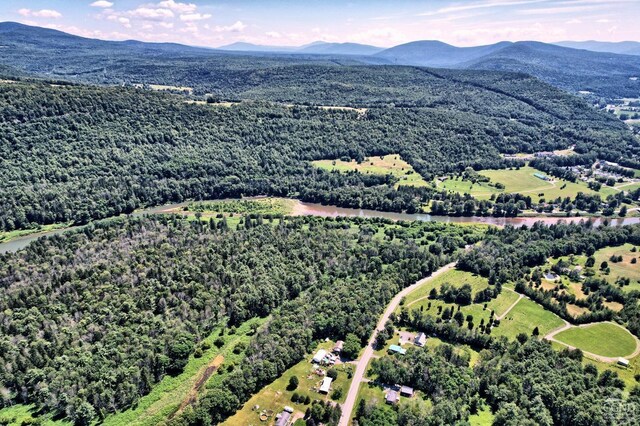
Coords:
pixel 275 396
pixel 389 164
pixel 480 190
pixel 523 181
pixel 603 339
pixel 524 317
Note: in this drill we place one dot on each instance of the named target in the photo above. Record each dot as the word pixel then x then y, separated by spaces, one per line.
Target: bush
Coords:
pixel 293 383
pixel 333 373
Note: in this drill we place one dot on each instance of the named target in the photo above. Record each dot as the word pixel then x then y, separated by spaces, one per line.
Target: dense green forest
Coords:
pixel 92 319
pixel 97 152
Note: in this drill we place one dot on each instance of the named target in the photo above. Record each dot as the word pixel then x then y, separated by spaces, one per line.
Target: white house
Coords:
pixel 326 385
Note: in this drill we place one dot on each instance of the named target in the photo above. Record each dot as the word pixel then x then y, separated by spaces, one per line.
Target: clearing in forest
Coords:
pixel 604 339
pixel 524 317
pixel 391 164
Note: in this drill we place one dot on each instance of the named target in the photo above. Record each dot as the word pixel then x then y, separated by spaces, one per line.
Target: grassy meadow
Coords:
pixel 524 317
pixel 390 164
pixel 603 339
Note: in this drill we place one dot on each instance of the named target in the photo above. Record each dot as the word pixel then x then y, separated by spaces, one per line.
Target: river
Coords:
pixel 311 209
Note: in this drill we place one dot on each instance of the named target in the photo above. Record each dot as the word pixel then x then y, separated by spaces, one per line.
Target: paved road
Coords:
pixel 358 377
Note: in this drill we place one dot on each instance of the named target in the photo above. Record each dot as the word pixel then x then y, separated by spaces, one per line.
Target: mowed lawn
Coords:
pixel 275 396
pixel 603 339
pixel 526 316
pixel 390 164
pixel 523 181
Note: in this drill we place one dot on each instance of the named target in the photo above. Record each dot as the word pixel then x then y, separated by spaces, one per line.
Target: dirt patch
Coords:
pixel 576 288
pixel 614 306
pixel 192 396
pixel 575 310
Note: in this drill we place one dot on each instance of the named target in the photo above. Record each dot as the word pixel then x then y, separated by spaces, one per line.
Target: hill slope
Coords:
pixel 433 53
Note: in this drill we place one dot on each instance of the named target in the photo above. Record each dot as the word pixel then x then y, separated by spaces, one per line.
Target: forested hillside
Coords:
pixel 96 152
pixel 91 320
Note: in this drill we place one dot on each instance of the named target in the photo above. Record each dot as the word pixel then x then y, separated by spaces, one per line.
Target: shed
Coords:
pixel 624 362
pixel 282 419
pixel 397 349
pixel 326 385
pixel 319 356
pixel 392 397
pixel 420 340
pixel 406 391
pixel 338 347
pixel 288 409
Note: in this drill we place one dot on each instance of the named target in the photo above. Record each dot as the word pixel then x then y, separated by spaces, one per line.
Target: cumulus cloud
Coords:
pixel 237 27
pixel 43 13
pixel 177 6
pixel 152 14
pixel 101 3
pixel 189 17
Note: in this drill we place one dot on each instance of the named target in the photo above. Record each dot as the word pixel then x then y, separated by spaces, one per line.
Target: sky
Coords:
pixel 383 23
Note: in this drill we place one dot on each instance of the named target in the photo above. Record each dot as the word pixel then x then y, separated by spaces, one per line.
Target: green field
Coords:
pixel 390 164
pixel 262 206
pixel 10 235
pixel 524 317
pixel 19 415
pixel 603 339
pixel 454 277
pixel 275 395
pixel 620 269
pixel 523 181
pixel 165 397
pixel 480 190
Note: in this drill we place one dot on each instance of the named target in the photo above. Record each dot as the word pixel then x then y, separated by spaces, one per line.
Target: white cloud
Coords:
pixel 125 22
pixel 43 13
pixel 152 14
pixel 273 34
pixel 603 21
pixel 189 17
pixel 237 27
pixel 101 3
pixel 167 25
pixel 177 6
pixel 480 5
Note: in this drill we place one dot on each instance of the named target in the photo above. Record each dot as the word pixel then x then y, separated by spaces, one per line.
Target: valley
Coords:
pixel 207 221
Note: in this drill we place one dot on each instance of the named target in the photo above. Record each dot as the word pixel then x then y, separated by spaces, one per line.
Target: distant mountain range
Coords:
pixel 576 68
pixel 318 48
pixel 622 48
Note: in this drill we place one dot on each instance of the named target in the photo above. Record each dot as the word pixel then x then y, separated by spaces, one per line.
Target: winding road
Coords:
pixel 363 362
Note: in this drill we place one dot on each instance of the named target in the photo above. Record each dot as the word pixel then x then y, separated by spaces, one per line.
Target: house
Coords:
pixel 326 385
pixel 338 347
pixel 392 397
pixel 406 391
pixel 397 349
pixel 420 340
pixel 623 362
pixel 319 356
pixel 282 419
pixel 550 276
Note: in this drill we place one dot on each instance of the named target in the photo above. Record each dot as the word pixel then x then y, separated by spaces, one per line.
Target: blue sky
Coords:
pixel 290 22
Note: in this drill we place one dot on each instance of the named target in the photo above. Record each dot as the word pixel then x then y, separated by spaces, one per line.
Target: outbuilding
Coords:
pixel 623 361
pixel 406 391
pixel 326 385
pixel 338 347
pixel 392 397
pixel 319 356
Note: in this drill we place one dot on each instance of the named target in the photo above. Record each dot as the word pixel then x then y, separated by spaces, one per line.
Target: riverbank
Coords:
pixel 300 208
